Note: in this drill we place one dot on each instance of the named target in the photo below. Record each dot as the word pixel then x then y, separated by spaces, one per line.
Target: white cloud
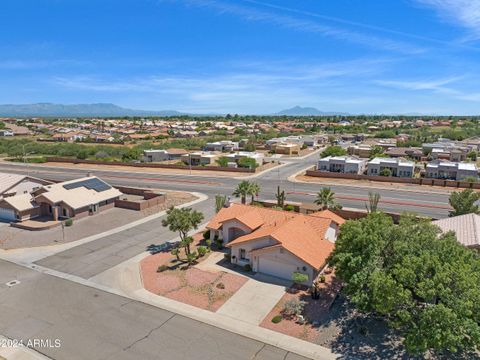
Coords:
pixel 298 23
pixel 464 13
pixel 429 84
pixel 258 87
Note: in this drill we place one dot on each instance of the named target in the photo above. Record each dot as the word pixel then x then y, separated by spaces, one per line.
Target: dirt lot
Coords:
pixel 150 170
pixel 13 238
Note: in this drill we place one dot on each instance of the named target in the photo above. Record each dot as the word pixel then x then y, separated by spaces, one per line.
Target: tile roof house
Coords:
pixel 276 242
pixel 466 228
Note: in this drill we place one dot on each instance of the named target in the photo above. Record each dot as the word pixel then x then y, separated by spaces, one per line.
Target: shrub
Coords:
pixel 276 319
pixel 219 244
pixel 247 267
pixel 202 250
pixel 227 257
pixel 299 278
pixel 162 268
pixel 192 257
pixel 290 208
pixel 386 172
pixel 321 278
pixel 82 155
pixel 206 235
pixel 220 286
pixel 209 243
pixel 68 222
pixel 293 307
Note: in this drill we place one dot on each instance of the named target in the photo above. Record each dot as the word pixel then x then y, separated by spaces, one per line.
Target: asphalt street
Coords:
pixel 424 201
pixel 93 324
pixel 93 258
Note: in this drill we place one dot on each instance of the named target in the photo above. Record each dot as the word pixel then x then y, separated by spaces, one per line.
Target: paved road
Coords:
pixel 95 257
pixel 427 203
pixel 93 324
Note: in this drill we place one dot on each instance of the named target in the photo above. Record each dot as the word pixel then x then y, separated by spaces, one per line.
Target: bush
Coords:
pixel 290 208
pixel 299 278
pixel 276 319
pixel 202 250
pixel 162 268
pixel 227 257
pixel 220 285
pixel 219 244
pixel 293 307
pixel 321 278
pixel 247 267
pixel 68 222
pixel 247 163
pixel 206 234
pixel 386 172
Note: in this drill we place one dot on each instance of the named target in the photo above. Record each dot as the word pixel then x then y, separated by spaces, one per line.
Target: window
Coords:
pixel 242 254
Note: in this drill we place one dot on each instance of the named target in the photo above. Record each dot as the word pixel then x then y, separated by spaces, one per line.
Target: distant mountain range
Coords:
pixel 112 110
pixel 78 110
pixel 307 111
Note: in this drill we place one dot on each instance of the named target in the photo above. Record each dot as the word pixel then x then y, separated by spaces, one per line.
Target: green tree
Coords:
pixel 249 147
pixel 376 151
pixel 247 162
pixel 463 202
pixel 472 155
pixel 326 199
pixel 386 172
pixel 2 125
pixel 254 190
pixel 245 188
pixel 424 283
pixel 183 221
pixel 222 161
pixel 333 150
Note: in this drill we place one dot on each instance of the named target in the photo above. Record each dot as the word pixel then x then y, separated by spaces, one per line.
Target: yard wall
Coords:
pixel 391 179
pixel 150 199
pixel 150 165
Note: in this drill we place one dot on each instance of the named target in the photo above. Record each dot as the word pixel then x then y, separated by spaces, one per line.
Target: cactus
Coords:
pixel 280 197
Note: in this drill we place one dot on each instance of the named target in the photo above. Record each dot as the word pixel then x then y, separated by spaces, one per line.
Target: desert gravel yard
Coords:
pixel 204 289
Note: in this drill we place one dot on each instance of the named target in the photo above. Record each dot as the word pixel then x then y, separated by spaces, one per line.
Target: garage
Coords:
pixel 7 215
pixel 274 268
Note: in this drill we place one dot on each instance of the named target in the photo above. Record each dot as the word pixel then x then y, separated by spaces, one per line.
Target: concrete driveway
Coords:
pixel 254 300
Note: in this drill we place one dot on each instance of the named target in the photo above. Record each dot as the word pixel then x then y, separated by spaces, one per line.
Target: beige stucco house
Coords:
pixel 70 199
pixel 276 242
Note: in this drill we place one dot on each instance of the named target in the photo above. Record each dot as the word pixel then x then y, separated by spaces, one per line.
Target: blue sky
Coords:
pixel 244 56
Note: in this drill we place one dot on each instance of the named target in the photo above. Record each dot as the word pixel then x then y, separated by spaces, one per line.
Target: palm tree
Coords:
pixel 254 190
pixel 242 190
pixel 326 199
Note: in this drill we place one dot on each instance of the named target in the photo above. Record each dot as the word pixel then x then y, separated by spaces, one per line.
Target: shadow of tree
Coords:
pixel 354 335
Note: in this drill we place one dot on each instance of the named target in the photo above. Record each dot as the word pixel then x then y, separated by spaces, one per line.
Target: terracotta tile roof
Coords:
pixel 327 214
pixel 302 235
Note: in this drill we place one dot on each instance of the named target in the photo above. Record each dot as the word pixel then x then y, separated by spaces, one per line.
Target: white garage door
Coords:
pixel 277 269
pixel 7 214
